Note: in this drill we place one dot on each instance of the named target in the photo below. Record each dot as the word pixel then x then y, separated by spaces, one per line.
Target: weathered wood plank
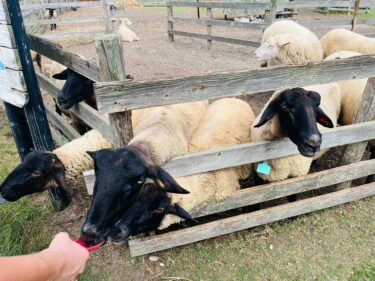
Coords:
pixel 70 34
pixel 316 4
pixel 170 23
pixel 209 27
pixel 55 52
pixel 366 111
pixel 216 38
pixel 58 138
pixel 333 23
pixel 225 226
pixel 12 79
pixel 112 68
pixel 62 21
pixel 117 97
pixel 252 152
pixel 217 5
pixel 43 6
pixel 86 113
pixel 263 193
pixel 213 22
pixel 7 36
pixel 10 58
pixel 4 14
pixel 14 97
pixel 69 132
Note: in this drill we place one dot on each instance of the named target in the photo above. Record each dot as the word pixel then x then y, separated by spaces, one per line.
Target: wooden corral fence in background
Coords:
pixel 43 5
pixel 269 9
pixel 116 97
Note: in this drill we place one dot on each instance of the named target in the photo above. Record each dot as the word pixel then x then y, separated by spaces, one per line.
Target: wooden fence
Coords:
pixel 269 9
pixel 105 18
pixel 116 97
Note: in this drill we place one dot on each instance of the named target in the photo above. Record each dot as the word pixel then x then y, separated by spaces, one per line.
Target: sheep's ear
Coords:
pixel 282 41
pixel 175 209
pixel 323 119
pixel 63 75
pixel 92 154
pixel 165 180
pixel 268 113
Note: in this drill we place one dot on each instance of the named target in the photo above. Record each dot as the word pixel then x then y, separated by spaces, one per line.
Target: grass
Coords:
pixel 22 227
pixel 333 244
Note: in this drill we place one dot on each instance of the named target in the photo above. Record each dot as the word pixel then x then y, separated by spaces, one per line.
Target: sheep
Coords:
pixel 126 33
pixel 51 14
pixel 342 39
pixel 226 122
pixel 351 90
pixel 294 113
pixel 42 170
pixel 287 42
pixel 160 134
pixel 351 95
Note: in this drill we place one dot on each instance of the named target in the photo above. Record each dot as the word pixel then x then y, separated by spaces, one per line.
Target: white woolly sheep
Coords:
pixel 126 33
pixel 226 122
pixel 345 40
pixel 351 90
pixel 287 42
pixel 297 165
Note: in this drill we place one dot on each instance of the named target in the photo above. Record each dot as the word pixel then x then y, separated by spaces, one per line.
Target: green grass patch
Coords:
pixel 22 224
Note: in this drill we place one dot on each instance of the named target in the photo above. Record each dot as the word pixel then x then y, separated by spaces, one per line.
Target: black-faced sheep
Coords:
pixel 160 134
pixel 226 122
pixel 294 114
pixel 287 42
pixel 51 14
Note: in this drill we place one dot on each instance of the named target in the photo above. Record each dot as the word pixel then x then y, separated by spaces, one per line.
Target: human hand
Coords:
pixel 69 257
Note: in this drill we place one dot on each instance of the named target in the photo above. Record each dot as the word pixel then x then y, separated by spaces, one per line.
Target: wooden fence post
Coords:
pixel 112 68
pixel 270 15
pixel 209 27
pixel 105 15
pixel 170 22
pixel 366 112
pixel 356 12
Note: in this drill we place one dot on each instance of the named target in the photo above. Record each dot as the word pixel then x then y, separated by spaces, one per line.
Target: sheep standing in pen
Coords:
pixel 342 39
pixel 226 122
pixel 351 96
pixel 287 42
pixel 126 33
pixel 160 134
pixel 294 113
pixel 42 170
pixel 51 14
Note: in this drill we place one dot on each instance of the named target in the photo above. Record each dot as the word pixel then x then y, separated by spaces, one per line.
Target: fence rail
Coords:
pixel 269 10
pixel 43 6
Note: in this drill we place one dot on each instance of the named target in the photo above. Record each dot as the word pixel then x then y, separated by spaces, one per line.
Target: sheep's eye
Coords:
pixel 284 107
pixel 159 211
pixel 36 174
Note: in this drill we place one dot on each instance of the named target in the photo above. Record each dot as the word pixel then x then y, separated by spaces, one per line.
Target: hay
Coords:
pixel 128 4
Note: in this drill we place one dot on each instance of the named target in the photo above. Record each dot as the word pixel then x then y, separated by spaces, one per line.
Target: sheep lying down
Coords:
pixel 226 122
pixel 294 113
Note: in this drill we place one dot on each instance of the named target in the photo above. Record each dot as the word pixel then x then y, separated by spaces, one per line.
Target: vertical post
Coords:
pixel 34 110
pixel 209 26
pixel 356 12
pixel 170 22
pixel 112 68
pixel 198 11
pixel 105 15
pixel 273 11
pixel 366 112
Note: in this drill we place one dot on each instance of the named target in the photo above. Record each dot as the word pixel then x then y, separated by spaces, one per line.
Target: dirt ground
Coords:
pixel 151 58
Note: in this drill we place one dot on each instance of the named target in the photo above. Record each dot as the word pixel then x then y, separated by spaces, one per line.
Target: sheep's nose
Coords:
pixel 314 141
pixel 89 234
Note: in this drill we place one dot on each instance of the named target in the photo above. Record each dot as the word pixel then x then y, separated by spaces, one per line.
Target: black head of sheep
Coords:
pixel 39 171
pixel 298 112
pixel 146 213
pixel 120 175
pixel 77 88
